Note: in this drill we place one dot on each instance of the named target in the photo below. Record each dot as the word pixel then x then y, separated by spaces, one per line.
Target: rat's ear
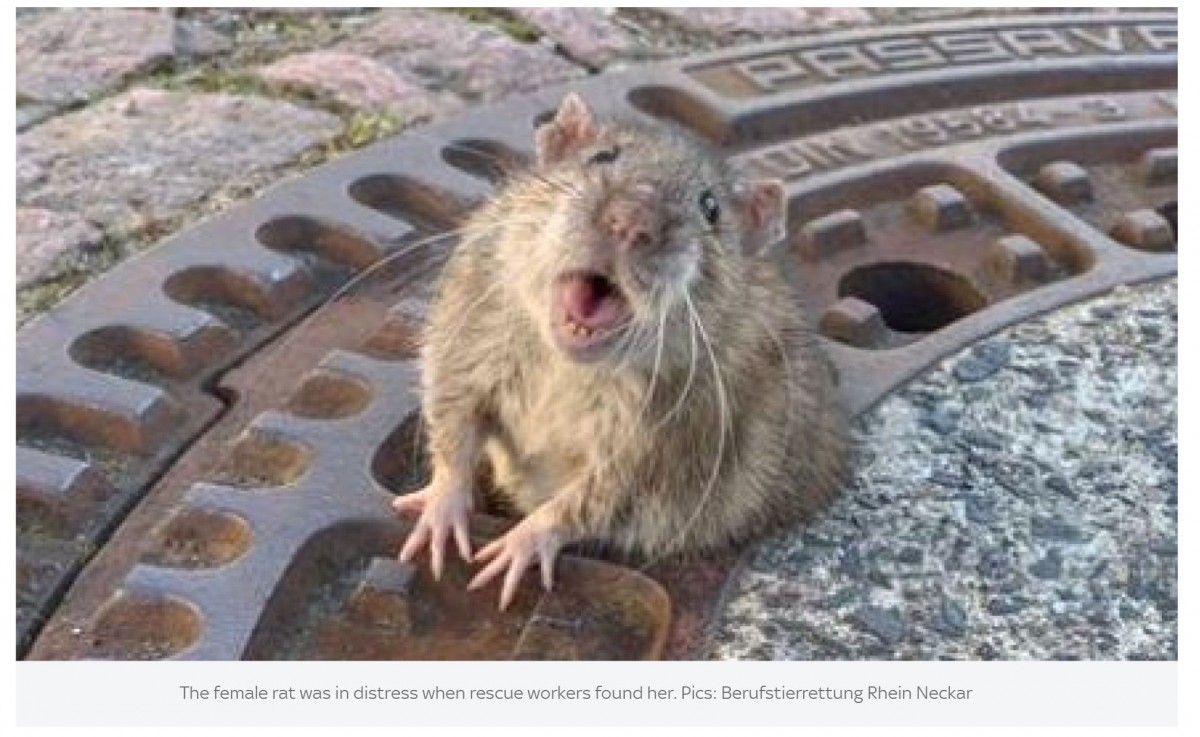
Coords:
pixel 571 128
pixel 763 210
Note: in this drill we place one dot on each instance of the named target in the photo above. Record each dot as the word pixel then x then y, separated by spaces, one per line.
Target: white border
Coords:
pixel 86 691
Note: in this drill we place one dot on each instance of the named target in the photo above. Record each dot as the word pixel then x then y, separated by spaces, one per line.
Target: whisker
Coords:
pixel 690 377
pixel 625 348
pixel 723 422
pixel 723 427
pixel 462 322
pixel 662 328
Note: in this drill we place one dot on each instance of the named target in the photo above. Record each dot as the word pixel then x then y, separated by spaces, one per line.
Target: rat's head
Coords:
pixel 632 220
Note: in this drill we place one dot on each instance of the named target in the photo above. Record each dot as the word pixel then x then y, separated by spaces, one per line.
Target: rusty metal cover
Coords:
pixel 205 459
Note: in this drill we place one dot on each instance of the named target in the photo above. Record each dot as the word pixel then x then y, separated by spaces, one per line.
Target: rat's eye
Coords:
pixel 604 156
pixel 709 206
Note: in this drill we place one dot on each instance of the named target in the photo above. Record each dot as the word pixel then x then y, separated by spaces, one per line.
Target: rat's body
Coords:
pixel 611 338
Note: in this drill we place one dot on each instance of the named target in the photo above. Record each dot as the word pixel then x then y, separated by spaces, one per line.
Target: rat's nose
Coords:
pixel 630 223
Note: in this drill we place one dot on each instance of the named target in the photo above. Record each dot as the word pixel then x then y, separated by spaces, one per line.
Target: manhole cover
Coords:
pixel 205 463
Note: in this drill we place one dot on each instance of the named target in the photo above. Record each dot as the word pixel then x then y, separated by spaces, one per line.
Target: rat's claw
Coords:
pixel 416 540
pixel 513 579
pixel 462 538
pixel 491 549
pixel 501 561
pixel 547 572
pixel 516 551
pixel 437 549
pixel 441 512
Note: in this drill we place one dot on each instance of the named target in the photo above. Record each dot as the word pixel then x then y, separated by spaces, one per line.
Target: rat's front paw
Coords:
pixel 536 537
pixel 442 511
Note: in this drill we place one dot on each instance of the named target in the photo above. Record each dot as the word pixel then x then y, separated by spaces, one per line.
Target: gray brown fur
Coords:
pixel 549 425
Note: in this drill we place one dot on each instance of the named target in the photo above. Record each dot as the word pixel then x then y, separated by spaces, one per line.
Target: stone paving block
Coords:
pixel 586 34
pixel 150 154
pixel 194 39
pixel 448 53
pixel 732 23
pixel 44 237
pixel 32 113
pixel 357 82
pixel 912 15
pixel 75 54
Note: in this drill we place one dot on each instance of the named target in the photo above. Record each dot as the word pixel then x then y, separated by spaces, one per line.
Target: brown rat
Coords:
pixel 612 338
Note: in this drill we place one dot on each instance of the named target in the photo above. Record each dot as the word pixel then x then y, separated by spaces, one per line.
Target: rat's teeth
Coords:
pixel 579 331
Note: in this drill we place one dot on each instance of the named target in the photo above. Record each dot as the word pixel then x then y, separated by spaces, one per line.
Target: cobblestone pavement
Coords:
pixel 961 537
pixel 132 124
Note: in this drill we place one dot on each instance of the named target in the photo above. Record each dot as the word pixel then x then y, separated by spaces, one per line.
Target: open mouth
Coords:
pixel 592 308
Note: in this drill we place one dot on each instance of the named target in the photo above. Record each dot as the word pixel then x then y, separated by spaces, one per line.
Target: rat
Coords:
pixel 611 337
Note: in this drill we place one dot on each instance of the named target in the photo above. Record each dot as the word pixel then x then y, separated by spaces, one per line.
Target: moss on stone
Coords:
pixel 509 23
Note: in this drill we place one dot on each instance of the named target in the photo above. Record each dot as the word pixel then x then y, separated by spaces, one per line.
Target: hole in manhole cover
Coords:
pixel 199 538
pixel 329 396
pixel 262 460
pixel 196 394
pixel 136 627
pixel 912 298
pixel 491 160
pixel 401 465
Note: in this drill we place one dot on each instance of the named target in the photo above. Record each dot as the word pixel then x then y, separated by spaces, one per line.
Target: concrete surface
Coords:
pixel 1017 501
